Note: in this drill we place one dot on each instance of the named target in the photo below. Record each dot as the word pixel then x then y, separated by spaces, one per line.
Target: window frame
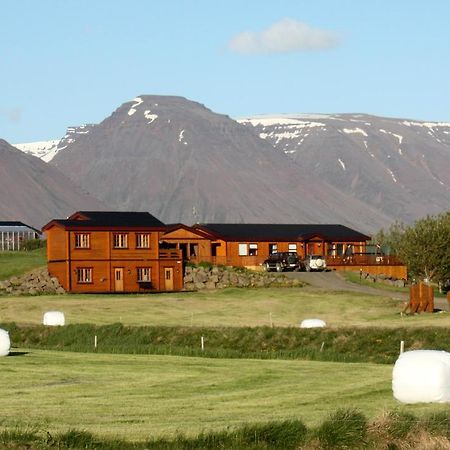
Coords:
pixel 79 238
pixel 242 247
pixel 124 237
pixel 253 249
pixel 85 275
pixel 140 271
pixel 291 247
pixel 141 238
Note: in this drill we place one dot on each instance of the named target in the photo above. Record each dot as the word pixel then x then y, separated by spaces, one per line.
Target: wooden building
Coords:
pixel 111 252
pixel 248 245
pixel 14 234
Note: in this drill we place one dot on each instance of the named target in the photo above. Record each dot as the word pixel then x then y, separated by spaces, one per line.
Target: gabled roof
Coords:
pixel 11 224
pixel 108 219
pixel 281 232
pixel 198 231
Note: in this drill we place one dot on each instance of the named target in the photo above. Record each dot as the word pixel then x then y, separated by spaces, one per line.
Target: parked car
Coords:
pixel 281 261
pixel 315 262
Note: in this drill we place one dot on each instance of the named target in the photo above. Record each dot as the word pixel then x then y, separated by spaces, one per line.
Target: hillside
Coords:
pixel 182 162
pixel 399 167
pixel 35 192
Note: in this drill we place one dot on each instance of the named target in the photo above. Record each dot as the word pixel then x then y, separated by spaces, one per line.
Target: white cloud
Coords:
pixel 284 36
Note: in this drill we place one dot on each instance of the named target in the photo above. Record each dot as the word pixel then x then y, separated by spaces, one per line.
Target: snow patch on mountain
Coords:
pixel 398 136
pixel 430 125
pixel 44 150
pixel 281 120
pixel 149 116
pixel 138 101
pixel 354 131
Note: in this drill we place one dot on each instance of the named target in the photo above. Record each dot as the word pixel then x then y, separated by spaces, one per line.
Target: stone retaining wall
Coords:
pixel 218 277
pixel 36 282
pixel 384 279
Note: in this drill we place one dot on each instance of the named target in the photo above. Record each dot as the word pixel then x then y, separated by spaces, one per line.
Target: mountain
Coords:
pixel 399 167
pixel 35 192
pixel 184 163
pixel 44 150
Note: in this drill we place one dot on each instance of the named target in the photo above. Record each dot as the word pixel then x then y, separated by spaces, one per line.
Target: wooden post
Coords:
pixel 430 303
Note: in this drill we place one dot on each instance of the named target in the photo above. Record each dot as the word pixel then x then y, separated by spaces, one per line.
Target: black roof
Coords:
pixel 282 232
pixel 113 219
pixel 14 223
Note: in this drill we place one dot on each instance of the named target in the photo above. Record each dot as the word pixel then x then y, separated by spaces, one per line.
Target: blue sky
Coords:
pixel 65 63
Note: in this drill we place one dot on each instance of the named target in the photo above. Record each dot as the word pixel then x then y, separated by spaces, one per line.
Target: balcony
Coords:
pixel 363 259
pixel 170 254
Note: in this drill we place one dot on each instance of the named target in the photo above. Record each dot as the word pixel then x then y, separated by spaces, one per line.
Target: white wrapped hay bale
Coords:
pixel 313 323
pixel 422 376
pixel 5 343
pixel 54 318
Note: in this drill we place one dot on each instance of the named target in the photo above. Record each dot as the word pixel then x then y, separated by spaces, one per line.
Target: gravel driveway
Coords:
pixel 334 281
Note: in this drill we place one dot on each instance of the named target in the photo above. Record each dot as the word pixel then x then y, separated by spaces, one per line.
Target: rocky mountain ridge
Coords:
pixel 400 167
pixel 184 163
pixel 34 192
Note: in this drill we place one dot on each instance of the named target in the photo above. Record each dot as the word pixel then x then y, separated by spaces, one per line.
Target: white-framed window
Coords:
pixel 273 248
pixel 142 240
pixel 84 275
pixel 82 240
pixel 243 250
pixel 120 240
pixel 144 274
pixel 252 249
pixel 292 248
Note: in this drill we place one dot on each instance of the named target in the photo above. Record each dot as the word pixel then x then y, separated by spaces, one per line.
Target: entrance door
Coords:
pixel 118 279
pixel 168 278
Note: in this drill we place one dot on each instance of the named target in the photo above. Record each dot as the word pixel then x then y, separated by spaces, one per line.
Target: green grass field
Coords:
pixel 229 307
pixel 17 263
pixel 137 397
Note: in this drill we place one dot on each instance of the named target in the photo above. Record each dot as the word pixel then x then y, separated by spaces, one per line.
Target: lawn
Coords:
pixel 229 307
pixel 137 396
pixel 16 263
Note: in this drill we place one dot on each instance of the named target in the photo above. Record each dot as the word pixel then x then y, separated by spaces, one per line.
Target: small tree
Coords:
pixel 424 246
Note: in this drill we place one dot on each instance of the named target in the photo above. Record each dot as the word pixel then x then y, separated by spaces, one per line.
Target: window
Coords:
pixel 273 248
pixel 243 250
pixel 82 240
pixel 252 249
pixel 292 247
pixel 142 240
pixel 120 240
pixel 84 274
pixel 144 274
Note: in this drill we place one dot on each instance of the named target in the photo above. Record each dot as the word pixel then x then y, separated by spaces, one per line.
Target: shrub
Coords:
pixel 205 264
pixel 437 423
pixel 33 244
pixel 288 434
pixel 346 428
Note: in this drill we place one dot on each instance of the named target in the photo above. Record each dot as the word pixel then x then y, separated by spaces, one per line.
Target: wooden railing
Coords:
pixel 361 259
pixel 364 259
pixel 170 254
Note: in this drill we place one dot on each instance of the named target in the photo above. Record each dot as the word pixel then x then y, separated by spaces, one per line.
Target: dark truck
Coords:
pixel 282 261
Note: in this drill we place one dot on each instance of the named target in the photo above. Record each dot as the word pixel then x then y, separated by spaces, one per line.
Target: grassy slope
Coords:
pixel 228 307
pixel 135 396
pixel 17 263
pixel 140 396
